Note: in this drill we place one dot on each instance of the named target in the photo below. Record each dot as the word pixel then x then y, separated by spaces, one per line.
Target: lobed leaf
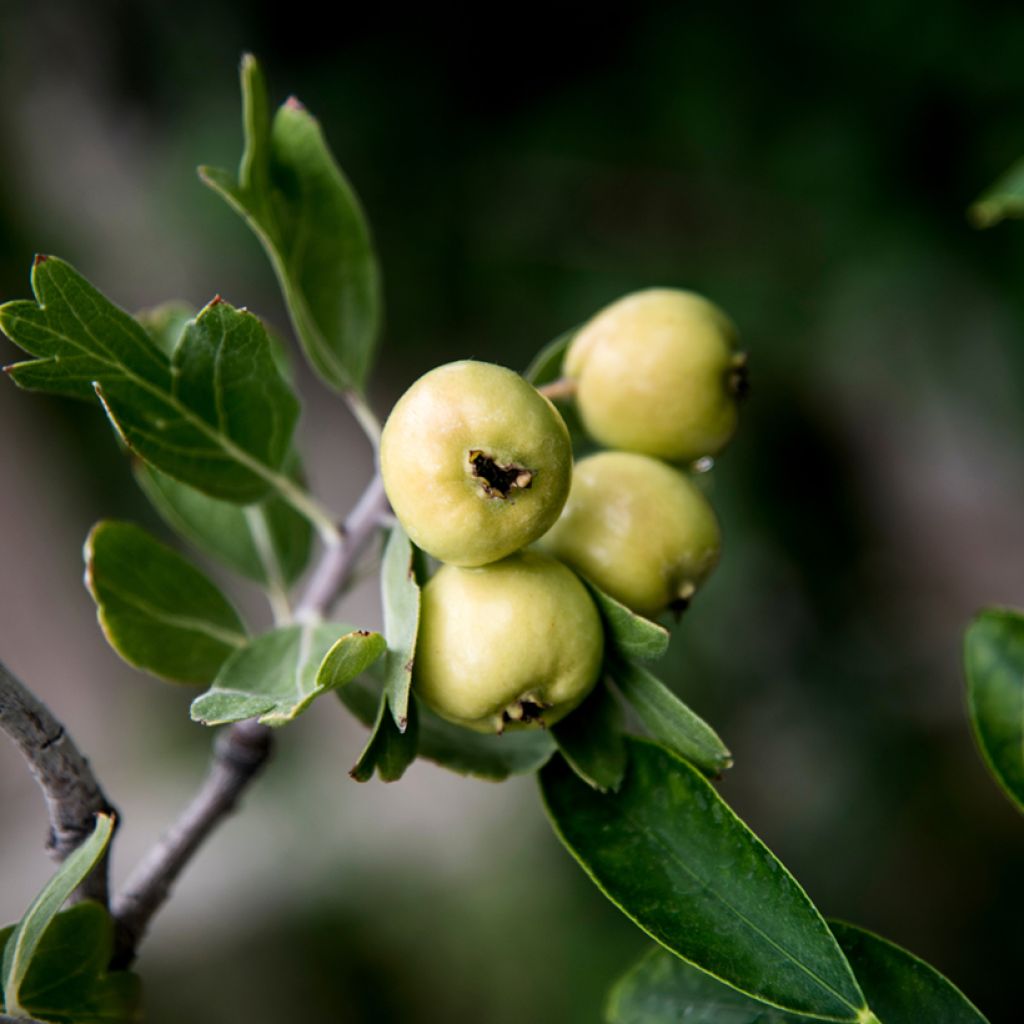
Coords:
pixel 626 632
pixel 669 720
pixel 673 856
pixel 67 981
pixel 166 323
pixel 293 195
pixel 591 740
pixel 156 609
pixel 460 750
pixel 23 944
pixel 215 414
pixel 279 674
pixel 994 664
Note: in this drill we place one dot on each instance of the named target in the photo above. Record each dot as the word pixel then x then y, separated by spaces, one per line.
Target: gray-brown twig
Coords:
pixel 239 753
pixel 241 749
pixel 73 796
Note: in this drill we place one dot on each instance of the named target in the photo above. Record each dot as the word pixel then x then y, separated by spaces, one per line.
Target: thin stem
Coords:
pixel 73 795
pixel 276 589
pixel 239 754
pixel 365 417
pixel 563 387
pixel 241 749
pixel 309 507
pixel 336 566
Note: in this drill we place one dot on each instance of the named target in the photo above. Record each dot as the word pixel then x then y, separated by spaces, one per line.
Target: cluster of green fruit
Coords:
pixel 477 465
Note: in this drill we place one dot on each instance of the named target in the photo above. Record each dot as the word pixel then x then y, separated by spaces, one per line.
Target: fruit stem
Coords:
pixel 564 388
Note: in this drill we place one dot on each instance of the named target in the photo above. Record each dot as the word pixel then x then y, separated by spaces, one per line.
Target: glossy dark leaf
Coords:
pixel 156 609
pixel 662 989
pixel 67 981
pixel 669 720
pixel 591 740
pixel 299 204
pixel 672 855
pixel 994 663
pixel 901 989
pixel 216 414
pixel 279 674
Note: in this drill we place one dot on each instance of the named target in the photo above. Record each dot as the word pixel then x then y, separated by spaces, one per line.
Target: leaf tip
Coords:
pixel 215 301
pixel 294 103
pixel 40 257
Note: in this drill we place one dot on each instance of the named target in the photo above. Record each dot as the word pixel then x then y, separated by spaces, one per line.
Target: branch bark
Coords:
pixel 240 751
pixel 73 795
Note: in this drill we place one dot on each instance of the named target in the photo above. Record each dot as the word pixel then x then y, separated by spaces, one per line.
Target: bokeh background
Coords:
pixel 808 169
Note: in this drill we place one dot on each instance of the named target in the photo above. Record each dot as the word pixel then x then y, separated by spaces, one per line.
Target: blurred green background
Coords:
pixel 805 167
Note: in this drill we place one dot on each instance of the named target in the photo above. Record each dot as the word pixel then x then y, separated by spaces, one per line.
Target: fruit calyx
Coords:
pixel 499 480
pixel 528 708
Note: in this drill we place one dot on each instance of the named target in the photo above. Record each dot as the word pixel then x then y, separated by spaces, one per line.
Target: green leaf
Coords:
pixel 279 674
pixel 216 414
pixel 165 324
pixel 400 593
pixel 1002 200
pixel 662 989
pixel 460 750
pixel 349 658
pixel 994 663
pixel 388 751
pixel 299 204
pixel 156 609
pixel 669 720
pixel 901 989
pixel 672 855
pixel 591 740
pixel 67 981
pixel 547 363
pixel 630 634
pixel 23 944
pixel 268 542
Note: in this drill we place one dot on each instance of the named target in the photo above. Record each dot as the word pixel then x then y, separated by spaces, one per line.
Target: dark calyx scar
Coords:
pixel 499 480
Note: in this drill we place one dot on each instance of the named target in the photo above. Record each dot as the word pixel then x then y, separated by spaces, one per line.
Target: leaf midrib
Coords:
pixel 220 440
pixel 186 622
pixel 669 848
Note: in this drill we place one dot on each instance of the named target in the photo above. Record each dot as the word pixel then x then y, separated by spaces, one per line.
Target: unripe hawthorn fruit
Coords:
pixel 639 529
pixel 657 373
pixel 514 644
pixel 475 461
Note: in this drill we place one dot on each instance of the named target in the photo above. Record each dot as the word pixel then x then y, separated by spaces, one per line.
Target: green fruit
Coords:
pixel 476 462
pixel 515 644
pixel 657 373
pixel 640 530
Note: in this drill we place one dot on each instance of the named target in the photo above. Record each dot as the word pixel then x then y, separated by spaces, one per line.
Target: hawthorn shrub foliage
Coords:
pixel 202 402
